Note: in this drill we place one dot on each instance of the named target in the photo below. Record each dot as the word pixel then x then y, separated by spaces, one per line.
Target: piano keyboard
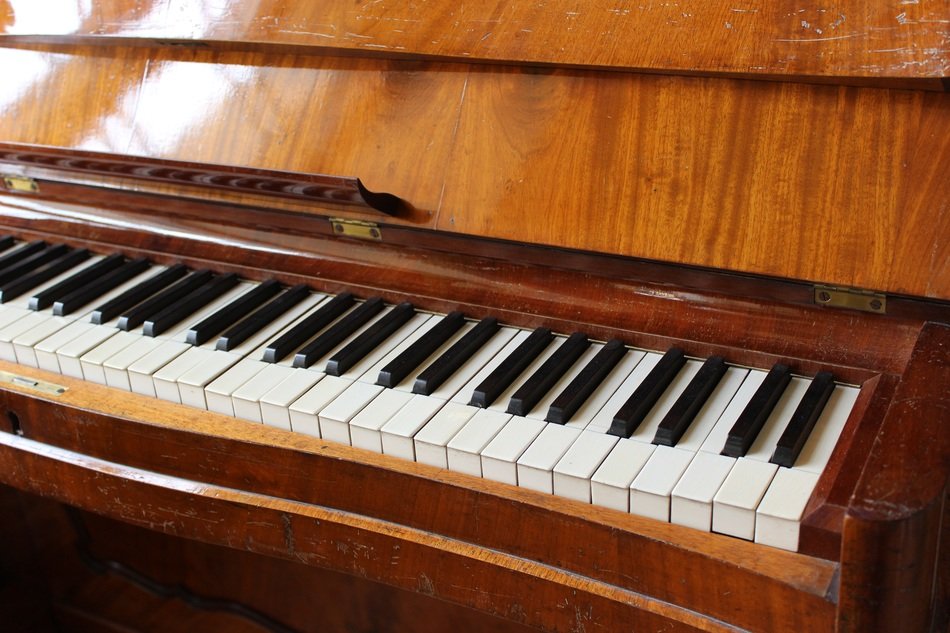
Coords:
pixel 695 442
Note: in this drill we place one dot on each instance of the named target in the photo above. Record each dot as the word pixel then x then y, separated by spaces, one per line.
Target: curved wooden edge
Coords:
pixel 666 563
pixel 892 526
pixel 310 188
pixel 324 537
pixel 770 39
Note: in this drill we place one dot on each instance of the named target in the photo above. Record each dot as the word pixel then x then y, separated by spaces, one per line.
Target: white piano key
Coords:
pixel 275 404
pixel 473 365
pixel 714 408
pixel 610 485
pixel 647 429
pixel 501 403
pixel 335 417
pixel 15 329
pixel 432 439
pixel 246 399
pixel 540 410
pixel 24 343
pixel 716 438
pixel 779 515
pixel 824 437
pixel 500 457
pixel 464 395
pixel 536 465
pixel 601 422
pixel 692 499
pixel 166 378
pixel 409 381
pixel 46 349
pixel 91 361
pixel 365 426
pixel 574 470
pixel 736 501
pixel 304 410
pixel 764 444
pixel 371 374
pixel 598 400
pixel 9 314
pixel 153 354
pixel 192 383
pixel 397 434
pixel 463 451
pixel 363 369
pixel 270 332
pixel 650 491
pixel 218 393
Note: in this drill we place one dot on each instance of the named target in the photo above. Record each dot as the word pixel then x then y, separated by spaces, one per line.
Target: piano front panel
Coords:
pixel 720 173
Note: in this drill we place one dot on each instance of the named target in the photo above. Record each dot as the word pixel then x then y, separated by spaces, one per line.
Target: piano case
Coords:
pixel 764 183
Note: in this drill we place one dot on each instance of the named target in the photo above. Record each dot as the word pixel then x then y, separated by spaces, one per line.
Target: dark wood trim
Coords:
pixel 280 184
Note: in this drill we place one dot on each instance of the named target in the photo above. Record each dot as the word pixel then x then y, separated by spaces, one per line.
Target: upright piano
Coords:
pixel 385 316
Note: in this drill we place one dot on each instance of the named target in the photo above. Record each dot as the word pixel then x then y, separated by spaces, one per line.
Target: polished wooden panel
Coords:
pixel 891 540
pixel 97 574
pixel 707 172
pixel 812 183
pixel 521 551
pixel 849 39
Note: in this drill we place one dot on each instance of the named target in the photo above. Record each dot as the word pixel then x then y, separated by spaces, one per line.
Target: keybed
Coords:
pixel 698 442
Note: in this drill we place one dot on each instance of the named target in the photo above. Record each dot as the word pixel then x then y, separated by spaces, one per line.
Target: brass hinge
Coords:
pixel 356 228
pixel 25 381
pixel 852 298
pixel 22 184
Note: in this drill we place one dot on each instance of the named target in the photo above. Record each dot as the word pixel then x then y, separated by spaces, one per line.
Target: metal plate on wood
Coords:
pixel 31 383
pixel 865 301
pixel 21 184
pixel 357 229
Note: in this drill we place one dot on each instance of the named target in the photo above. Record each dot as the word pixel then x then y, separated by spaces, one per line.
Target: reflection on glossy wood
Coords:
pixel 716 173
pixel 852 39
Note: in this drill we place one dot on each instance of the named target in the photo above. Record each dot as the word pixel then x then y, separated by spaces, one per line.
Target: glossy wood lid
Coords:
pixel 857 40
pixel 837 185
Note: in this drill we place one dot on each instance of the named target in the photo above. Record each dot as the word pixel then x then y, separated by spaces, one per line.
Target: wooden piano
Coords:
pixel 676 182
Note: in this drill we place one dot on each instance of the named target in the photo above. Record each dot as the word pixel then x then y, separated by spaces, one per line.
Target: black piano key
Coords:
pixel 231 313
pixel 795 435
pixel 98 287
pixel 262 318
pixel 358 348
pixel 684 410
pixel 56 267
pixel 638 405
pixel 18 255
pixel 6 242
pixel 531 392
pixel 133 296
pixel 502 376
pixel 338 332
pixel 32 263
pixel 753 417
pixel 136 316
pixel 189 304
pixel 400 367
pixel 457 355
pixel 587 380
pixel 81 279
pixel 321 318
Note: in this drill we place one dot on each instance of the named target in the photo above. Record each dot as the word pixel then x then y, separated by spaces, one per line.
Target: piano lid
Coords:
pixel 842 185
pixel 849 40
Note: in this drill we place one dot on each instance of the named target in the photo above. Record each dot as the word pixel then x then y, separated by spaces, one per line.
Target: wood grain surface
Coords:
pixel 780 38
pixel 839 185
